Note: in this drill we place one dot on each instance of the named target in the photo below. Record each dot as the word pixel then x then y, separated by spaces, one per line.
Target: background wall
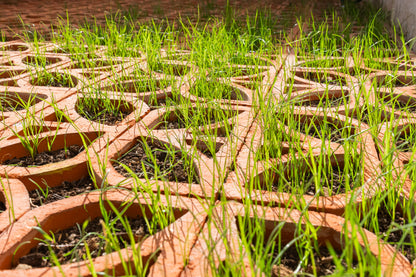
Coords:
pixel 404 12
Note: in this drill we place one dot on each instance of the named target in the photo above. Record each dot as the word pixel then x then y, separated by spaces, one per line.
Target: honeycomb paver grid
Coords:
pixel 191 236
pixel 18 16
pixel 110 140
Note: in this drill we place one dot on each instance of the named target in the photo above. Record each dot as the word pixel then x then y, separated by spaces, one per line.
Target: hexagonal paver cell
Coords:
pixel 223 72
pixel 216 90
pixel 54 79
pixel 297 177
pixel 192 118
pixel 324 63
pixel 325 130
pixel 49 194
pixel 138 86
pixel 34 150
pixel 40 60
pixel 323 78
pixel 10 73
pixel 396 81
pixel 322 100
pixel 14 101
pixel 95 64
pixel 69 245
pixel 103 110
pixel 170 69
pixel 398 102
pixel 14 47
pixel 154 160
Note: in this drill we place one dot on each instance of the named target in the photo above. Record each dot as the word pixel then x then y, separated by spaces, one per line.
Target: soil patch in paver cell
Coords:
pixel 38 61
pixel 2 207
pixel 170 69
pixel 14 47
pixel 70 244
pixel 331 102
pixel 364 114
pixel 46 157
pixel 54 80
pixel 67 189
pixel 194 118
pixel 167 101
pixel 234 72
pixel 330 63
pixel 140 86
pixel 399 104
pixel 332 182
pixel 397 81
pixel 216 90
pixel 324 264
pixel 405 143
pixel 103 111
pixel 153 160
pixel 10 104
pixel 323 78
pixel 393 231
pixel 320 130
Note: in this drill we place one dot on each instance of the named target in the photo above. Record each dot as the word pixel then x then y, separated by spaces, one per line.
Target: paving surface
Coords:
pixel 190 235
pixel 16 16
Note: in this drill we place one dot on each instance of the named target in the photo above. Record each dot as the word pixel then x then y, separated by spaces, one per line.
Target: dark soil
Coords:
pixel 324 63
pixel 54 80
pixel 46 157
pixel 398 82
pixel 330 185
pixel 95 110
pixel 233 72
pixel 37 61
pixel 10 105
pixel 332 102
pixel 321 131
pixel 405 144
pixel 69 245
pixel 385 223
pixel 194 118
pixel 2 207
pixel 171 69
pixel 324 79
pixel 139 86
pixel 163 102
pixel 323 260
pixel 215 90
pixel 364 115
pixel 409 106
pixel 66 189
pixel 170 163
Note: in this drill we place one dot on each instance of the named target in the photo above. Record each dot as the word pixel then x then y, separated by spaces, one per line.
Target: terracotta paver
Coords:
pixel 201 224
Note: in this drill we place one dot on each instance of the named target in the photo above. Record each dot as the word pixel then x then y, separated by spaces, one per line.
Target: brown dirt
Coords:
pixel 331 102
pixel 53 80
pixel 69 243
pixel 163 102
pixel 2 207
pixel 66 189
pixel 386 223
pixel 323 260
pixel 170 164
pixel 46 157
pixel 324 79
pixel 398 104
pixel 188 120
pixel 319 130
pixel 334 184
pixel 95 110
